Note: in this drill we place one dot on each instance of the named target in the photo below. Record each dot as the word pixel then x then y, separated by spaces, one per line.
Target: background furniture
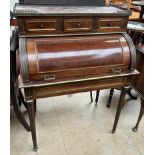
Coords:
pixel 141 4
pixel 138 81
pixel 135 8
pixel 136 31
pixel 15 94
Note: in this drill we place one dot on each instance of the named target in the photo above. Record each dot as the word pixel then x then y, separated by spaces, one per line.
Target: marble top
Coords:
pixel 36 10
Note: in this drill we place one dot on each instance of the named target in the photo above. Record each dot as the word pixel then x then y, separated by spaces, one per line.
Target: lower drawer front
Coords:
pixel 110 24
pixel 78 25
pixel 76 87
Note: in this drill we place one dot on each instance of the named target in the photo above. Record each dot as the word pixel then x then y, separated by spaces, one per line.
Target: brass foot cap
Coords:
pixel 134 129
pixel 35 148
pixel 113 131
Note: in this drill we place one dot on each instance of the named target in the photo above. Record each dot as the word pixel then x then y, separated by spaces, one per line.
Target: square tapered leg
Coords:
pixel 31 112
pixel 119 108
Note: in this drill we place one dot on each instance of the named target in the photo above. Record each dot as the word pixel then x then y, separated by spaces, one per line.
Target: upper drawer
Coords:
pixel 111 24
pixel 78 25
pixel 44 25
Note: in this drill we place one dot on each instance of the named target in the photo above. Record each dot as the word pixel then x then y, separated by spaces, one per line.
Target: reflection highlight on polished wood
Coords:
pixel 68 57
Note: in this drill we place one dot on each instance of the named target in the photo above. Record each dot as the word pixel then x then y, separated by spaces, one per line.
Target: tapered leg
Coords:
pixel 31 112
pixel 97 96
pixel 140 116
pixel 91 96
pixel 119 108
pixel 110 97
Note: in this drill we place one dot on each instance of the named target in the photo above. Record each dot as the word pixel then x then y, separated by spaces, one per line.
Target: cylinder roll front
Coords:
pixel 68 58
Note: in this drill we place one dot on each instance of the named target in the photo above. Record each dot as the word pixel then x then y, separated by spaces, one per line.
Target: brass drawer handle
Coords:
pixel 49 77
pixel 116 70
pixel 110 24
pixel 41 25
pixel 78 25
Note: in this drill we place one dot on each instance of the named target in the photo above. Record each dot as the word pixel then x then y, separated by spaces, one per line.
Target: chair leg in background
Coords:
pixel 97 96
pixel 20 115
pixel 140 116
pixel 130 94
pixel 91 96
pixel 110 97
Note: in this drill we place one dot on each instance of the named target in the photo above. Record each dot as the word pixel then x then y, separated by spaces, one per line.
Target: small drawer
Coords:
pixel 78 25
pixel 42 25
pixel 110 24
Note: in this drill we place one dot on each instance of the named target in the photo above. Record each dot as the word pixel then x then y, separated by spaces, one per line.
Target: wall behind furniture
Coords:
pixel 12 3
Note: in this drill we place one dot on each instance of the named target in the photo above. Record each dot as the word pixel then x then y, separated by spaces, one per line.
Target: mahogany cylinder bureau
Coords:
pixel 65 50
